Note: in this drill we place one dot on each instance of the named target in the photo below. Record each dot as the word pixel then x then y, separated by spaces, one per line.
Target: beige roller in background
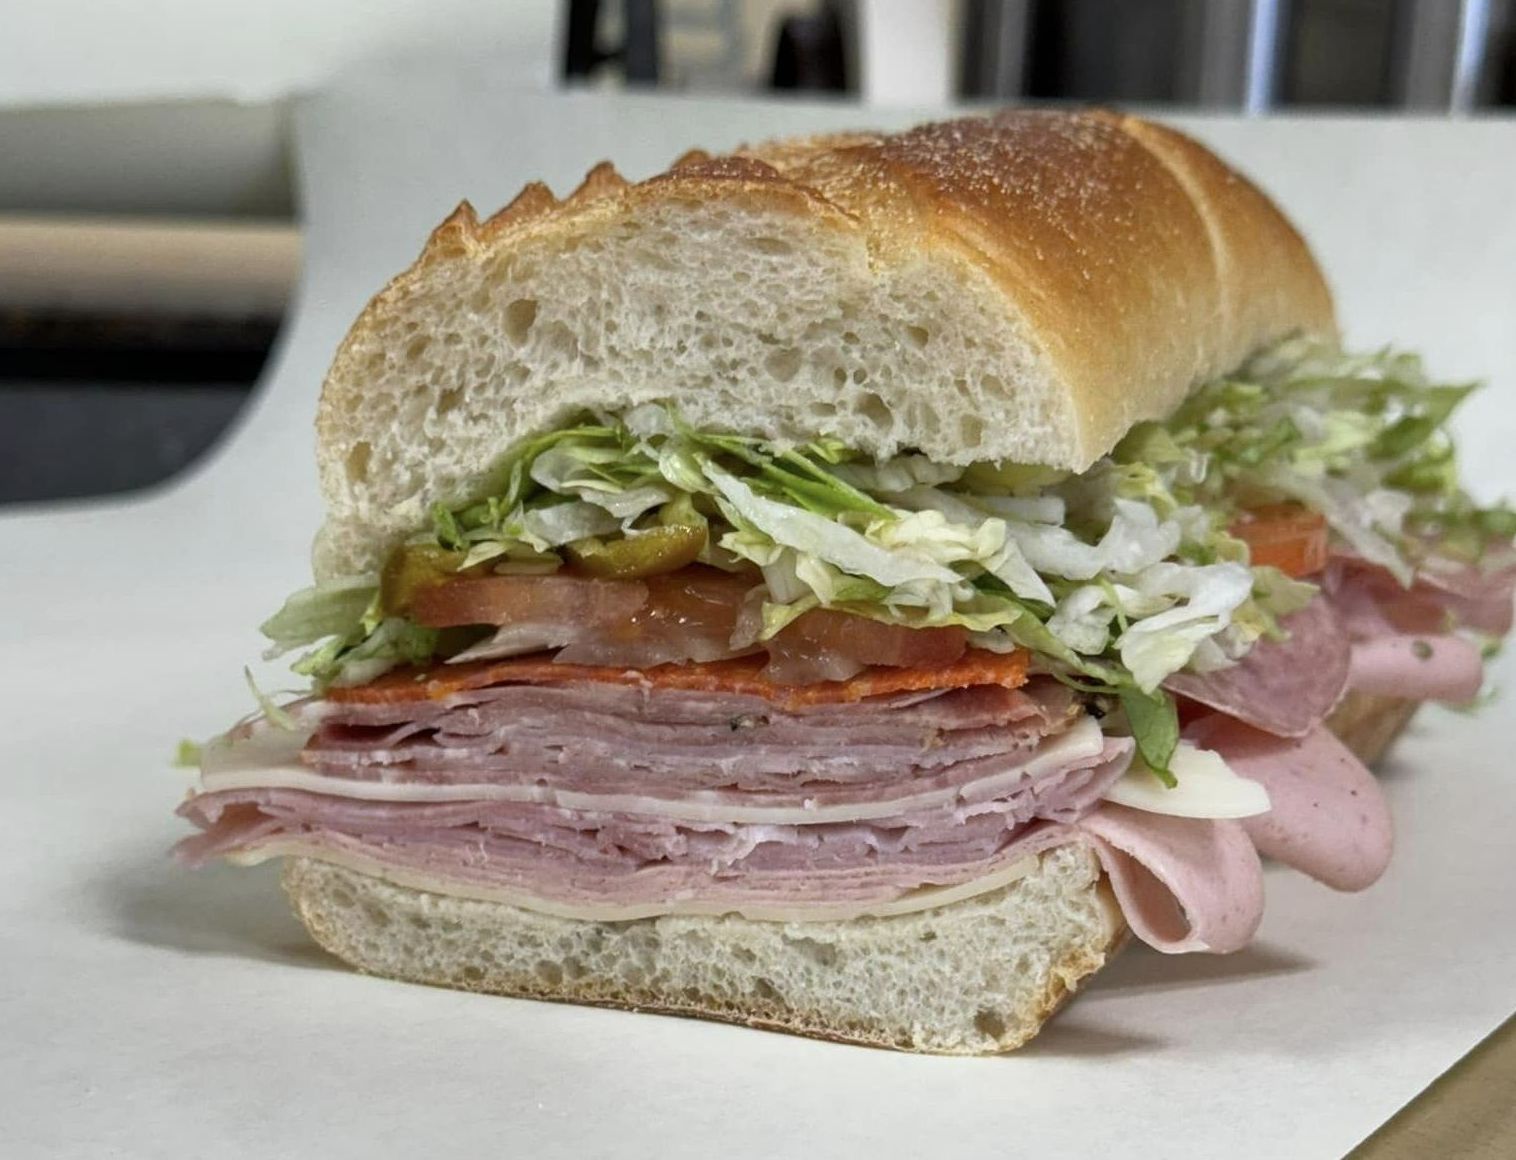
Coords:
pixel 220 268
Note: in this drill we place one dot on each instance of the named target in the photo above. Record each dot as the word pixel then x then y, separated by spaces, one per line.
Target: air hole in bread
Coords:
pixel 874 409
pixel 850 338
pixel 519 317
pixel 918 336
pixel 822 953
pixel 449 399
pixel 357 462
pixel 549 972
pixel 417 346
pixel 990 1023
pixel 772 246
pixel 970 431
pixel 764 989
pixel 783 364
pixel 559 341
pixel 376 915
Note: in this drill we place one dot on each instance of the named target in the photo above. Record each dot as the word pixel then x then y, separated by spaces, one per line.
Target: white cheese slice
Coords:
pixel 922 898
pixel 1208 788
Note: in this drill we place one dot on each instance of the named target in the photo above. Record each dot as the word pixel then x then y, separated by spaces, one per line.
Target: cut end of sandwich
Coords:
pixel 972 978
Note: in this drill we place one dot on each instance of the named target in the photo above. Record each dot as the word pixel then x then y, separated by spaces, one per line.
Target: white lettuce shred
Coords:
pixel 1115 578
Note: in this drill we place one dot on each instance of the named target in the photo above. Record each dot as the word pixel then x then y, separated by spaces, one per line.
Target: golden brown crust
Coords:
pixel 1369 724
pixel 1140 264
pixel 1264 267
pixel 1083 228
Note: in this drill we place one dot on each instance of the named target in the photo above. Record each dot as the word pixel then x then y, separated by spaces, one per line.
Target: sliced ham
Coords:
pixel 1329 817
pixel 600 738
pixel 972 784
pixel 1427 667
pixel 1183 885
pixel 1370 599
pixel 610 856
pixel 1479 597
pixel 1404 640
pixel 1282 687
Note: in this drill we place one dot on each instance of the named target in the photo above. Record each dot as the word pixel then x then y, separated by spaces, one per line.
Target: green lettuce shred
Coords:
pixel 1114 578
pixel 1361 438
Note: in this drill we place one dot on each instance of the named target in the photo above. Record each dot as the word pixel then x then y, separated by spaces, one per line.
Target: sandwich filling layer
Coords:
pixel 654 670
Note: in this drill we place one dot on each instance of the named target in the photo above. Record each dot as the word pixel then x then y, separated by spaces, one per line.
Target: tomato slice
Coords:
pixel 1286 536
pixel 689 615
pixel 505 600
pixel 695 599
pixel 871 642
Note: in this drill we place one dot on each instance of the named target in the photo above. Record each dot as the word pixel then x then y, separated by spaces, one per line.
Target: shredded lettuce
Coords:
pixel 336 609
pixel 275 713
pixel 1154 722
pixel 1361 438
pixel 1115 578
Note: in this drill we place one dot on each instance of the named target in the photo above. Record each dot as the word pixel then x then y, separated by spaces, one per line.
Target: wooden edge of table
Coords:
pixel 1469 1111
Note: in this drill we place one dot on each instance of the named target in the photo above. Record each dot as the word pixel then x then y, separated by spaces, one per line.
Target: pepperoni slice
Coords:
pixel 740 675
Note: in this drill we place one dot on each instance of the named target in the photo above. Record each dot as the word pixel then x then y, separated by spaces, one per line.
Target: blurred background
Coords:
pixel 149 229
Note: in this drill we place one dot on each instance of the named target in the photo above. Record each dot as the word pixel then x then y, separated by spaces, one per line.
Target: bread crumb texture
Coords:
pixel 975 977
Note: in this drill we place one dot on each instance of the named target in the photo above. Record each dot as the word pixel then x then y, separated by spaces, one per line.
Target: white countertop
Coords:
pixel 151 1011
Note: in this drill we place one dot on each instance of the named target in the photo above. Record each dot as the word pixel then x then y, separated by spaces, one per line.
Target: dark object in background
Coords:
pixel 1432 55
pixel 809 54
pixel 638 52
pixel 1095 50
pixel 1340 54
pixel 94 405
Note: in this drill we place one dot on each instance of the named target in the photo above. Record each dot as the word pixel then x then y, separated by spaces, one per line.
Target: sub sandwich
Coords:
pixel 847 585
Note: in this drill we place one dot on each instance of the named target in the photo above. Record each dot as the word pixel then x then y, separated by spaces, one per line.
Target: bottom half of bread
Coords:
pixel 1368 724
pixel 972 977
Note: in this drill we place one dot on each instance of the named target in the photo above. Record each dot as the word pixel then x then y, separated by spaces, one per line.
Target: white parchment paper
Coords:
pixel 150 1011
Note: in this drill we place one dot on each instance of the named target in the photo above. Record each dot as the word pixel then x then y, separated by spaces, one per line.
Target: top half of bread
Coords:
pixel 1021 287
